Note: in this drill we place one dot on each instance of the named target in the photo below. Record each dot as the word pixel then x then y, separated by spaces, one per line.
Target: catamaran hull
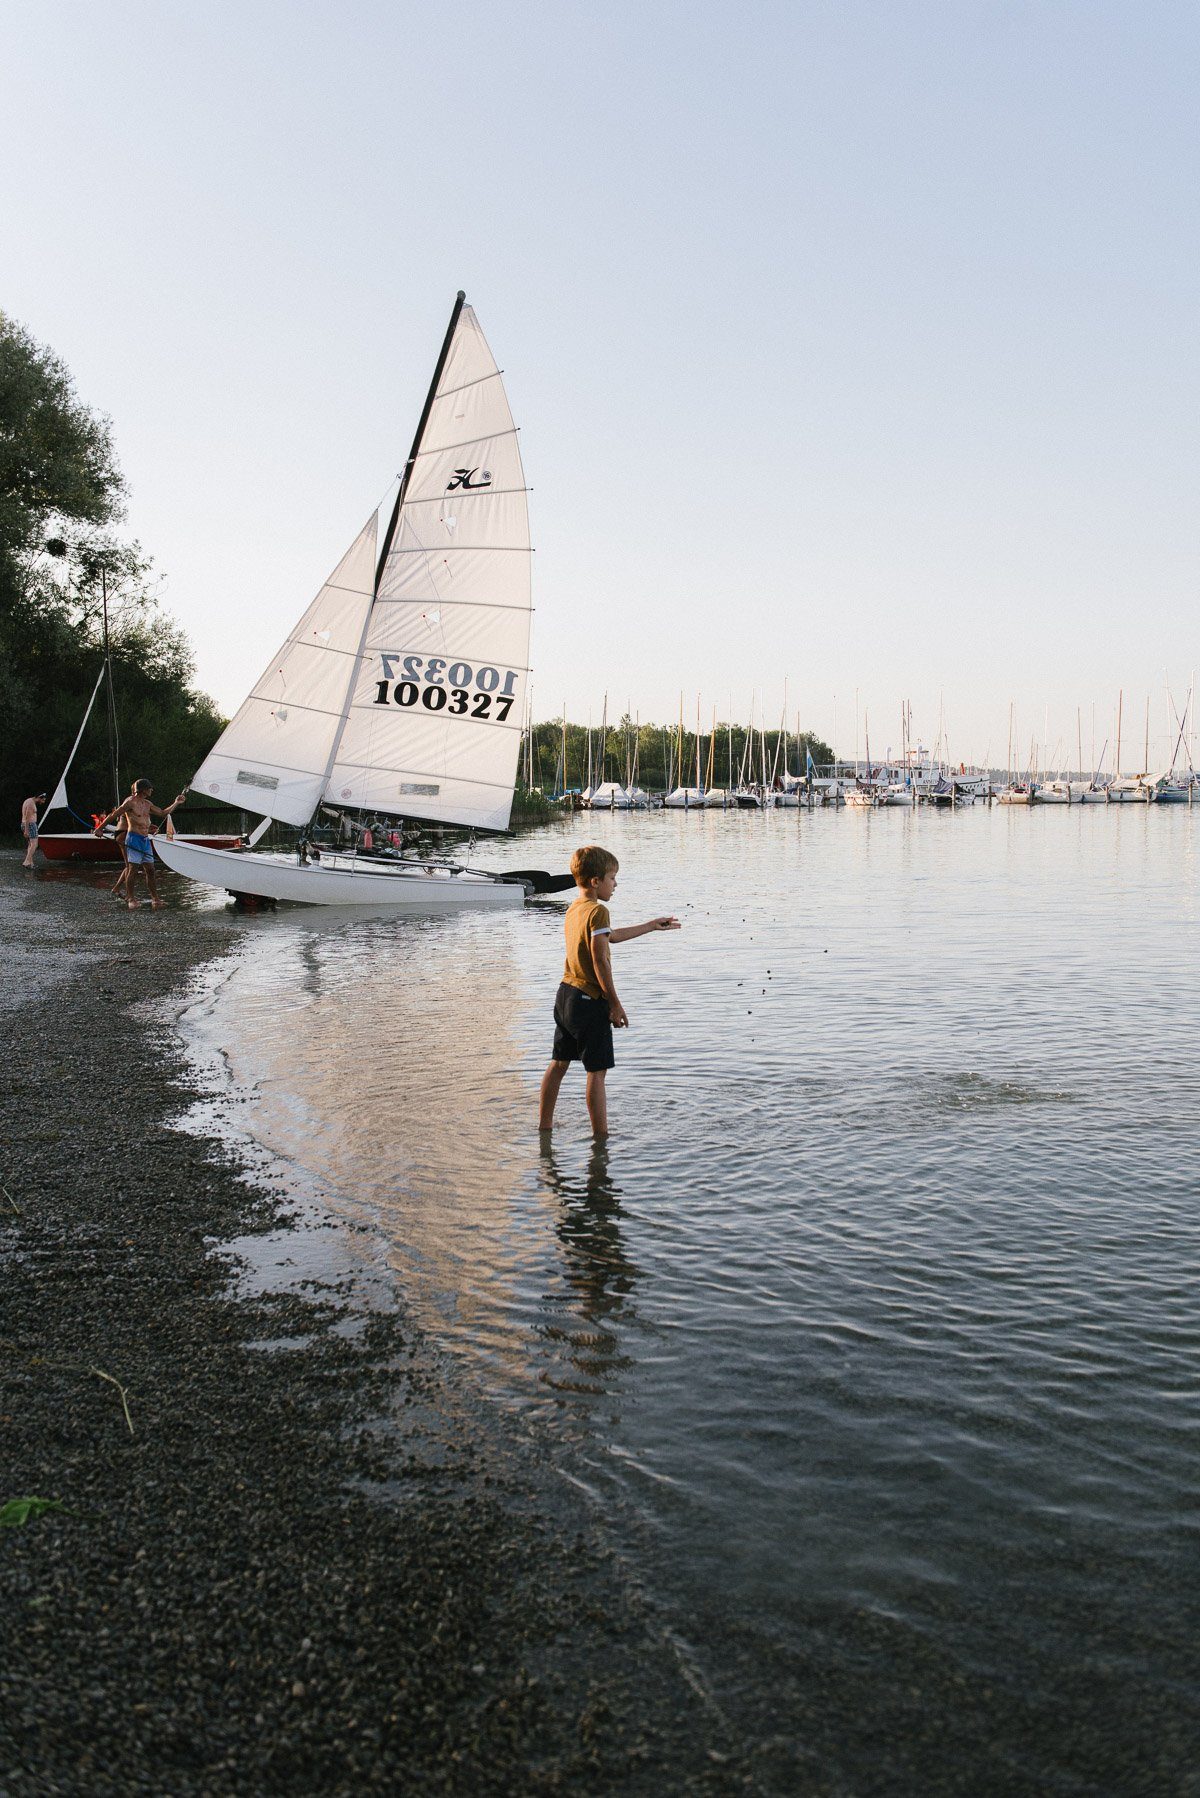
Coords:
pixel 420 888
pixel 82 846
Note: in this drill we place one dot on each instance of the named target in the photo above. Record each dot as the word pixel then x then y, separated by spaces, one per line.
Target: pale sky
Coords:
pixel 852 343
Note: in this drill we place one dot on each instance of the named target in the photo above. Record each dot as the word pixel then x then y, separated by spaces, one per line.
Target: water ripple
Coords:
pixel 874 1327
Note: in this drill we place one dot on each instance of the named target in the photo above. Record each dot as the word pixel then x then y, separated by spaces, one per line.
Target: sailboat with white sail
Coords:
pixel 400 692
pixel 93 844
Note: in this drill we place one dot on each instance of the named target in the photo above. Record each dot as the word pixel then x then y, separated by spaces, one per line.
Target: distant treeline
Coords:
pixel 61 492
pixel 650 753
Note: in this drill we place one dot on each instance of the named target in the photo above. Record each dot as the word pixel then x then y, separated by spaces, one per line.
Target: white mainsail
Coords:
pixel 274 756
pixel 434 720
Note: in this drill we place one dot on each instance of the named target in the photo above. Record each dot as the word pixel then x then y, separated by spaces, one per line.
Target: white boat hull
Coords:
pixel 419 887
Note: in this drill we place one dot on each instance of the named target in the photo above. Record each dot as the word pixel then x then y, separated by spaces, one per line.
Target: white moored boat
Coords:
pixel 611 796
pixel 400 692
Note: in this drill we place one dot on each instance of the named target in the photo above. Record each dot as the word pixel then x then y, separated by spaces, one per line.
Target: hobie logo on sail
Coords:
pixel 465 478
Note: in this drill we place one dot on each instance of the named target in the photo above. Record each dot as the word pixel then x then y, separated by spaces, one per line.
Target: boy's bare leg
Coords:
pixel 552 1079
pixel 155 901
pixel 597 1102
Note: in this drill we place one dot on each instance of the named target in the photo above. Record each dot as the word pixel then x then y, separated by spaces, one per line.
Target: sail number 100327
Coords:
pixel 440 685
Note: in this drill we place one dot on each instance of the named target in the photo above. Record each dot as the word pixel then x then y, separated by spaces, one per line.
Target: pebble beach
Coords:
pixel 289 1552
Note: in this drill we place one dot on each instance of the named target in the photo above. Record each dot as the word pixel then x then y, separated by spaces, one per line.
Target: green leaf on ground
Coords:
pixel 20 1510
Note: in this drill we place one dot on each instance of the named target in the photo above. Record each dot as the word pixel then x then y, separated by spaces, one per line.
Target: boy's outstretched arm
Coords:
pixel 631 930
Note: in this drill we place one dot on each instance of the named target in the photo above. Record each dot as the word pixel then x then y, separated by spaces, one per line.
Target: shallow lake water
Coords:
pixel 873 1328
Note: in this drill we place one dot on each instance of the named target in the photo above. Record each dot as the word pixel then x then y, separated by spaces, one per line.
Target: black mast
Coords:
pixel 412 454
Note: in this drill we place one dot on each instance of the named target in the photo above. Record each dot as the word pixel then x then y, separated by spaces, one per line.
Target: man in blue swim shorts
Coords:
pixel 29 826
pixel 136 813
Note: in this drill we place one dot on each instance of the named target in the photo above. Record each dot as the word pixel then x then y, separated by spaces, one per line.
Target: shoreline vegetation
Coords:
pixel 294 1552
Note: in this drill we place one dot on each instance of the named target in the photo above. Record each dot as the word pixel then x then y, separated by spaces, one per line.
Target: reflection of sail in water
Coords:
pixel 386 1065
pixel 599 1275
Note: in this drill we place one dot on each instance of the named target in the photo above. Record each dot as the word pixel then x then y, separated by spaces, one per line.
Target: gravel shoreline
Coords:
pixel 311 1566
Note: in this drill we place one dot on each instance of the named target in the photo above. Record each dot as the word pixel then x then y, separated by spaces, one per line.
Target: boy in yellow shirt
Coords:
pixel 587 1009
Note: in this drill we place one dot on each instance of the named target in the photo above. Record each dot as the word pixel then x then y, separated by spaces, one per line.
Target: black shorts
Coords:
pixel 582 1030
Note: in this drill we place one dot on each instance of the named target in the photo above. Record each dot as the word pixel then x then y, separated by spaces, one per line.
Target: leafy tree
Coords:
pixel 61 493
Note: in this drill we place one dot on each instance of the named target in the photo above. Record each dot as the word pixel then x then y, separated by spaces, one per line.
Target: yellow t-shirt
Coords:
pixel 585 919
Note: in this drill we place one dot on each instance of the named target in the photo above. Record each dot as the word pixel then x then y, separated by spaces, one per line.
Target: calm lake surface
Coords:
pixel 873 1330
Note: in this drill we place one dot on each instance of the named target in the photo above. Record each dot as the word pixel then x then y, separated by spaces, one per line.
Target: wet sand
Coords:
pixel 316 1564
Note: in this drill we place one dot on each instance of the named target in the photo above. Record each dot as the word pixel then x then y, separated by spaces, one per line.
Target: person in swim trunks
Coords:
pixel 587 1009
pixel 29 826
pixel 136 813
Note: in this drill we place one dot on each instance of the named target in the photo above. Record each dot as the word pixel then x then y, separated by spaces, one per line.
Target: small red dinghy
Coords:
pixel 85 845
pixel 82 846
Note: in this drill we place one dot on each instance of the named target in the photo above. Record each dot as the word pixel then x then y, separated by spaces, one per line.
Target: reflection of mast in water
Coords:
pixel 598 1272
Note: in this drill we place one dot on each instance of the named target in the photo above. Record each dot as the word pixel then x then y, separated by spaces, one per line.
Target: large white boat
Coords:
pixel 1053 792
pixel 1129 789
pixel 971 784
pixel 611 796
pixel 400 692
pixel 1174 789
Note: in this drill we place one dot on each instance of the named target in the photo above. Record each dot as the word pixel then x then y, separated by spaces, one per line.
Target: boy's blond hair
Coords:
pixel 592 863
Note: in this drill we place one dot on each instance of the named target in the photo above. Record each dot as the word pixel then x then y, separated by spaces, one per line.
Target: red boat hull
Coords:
pixel 82 846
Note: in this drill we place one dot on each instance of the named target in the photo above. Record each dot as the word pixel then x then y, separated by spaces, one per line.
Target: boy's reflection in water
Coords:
pixel 599 1274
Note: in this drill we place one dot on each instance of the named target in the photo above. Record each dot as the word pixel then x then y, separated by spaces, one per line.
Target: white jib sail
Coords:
pixel 434 724
pixel 273 757
pixel 59 795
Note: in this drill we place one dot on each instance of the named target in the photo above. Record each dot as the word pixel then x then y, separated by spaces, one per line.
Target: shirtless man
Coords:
pixel 29 828
pixel 135 813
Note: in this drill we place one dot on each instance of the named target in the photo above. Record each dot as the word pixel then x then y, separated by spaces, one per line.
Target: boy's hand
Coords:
pixel 665 924
pixel 616 1013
